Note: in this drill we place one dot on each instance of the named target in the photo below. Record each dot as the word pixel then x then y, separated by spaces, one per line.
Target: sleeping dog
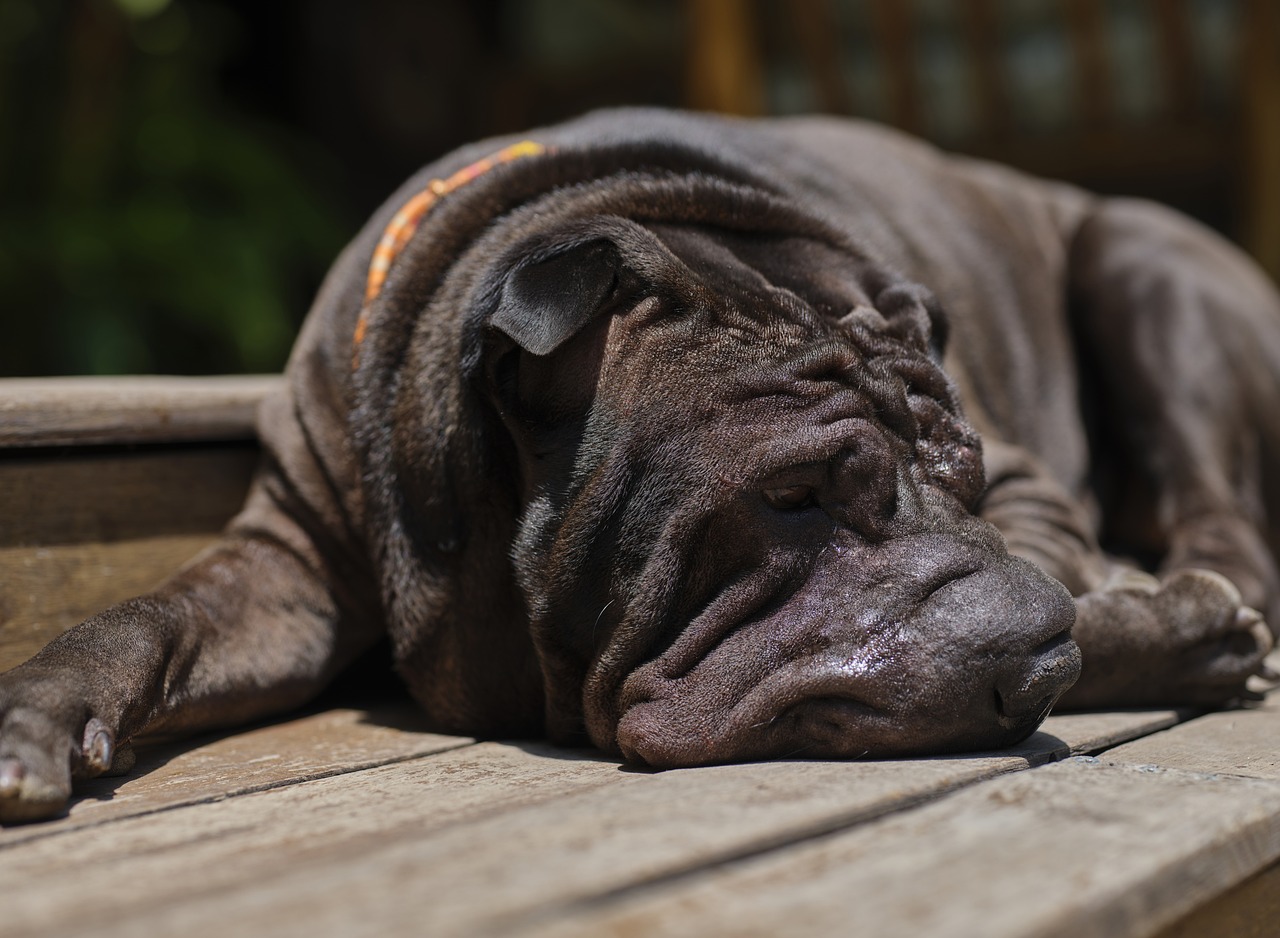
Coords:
pixel 708 440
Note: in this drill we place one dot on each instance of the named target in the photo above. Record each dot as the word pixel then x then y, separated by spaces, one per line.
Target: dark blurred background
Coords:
pixel 176 175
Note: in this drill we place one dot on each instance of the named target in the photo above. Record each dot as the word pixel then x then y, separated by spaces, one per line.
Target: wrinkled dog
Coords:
pixel 713 440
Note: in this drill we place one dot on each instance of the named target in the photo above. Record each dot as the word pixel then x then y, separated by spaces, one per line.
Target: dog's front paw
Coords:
pixel 46 741
pixel 1185 640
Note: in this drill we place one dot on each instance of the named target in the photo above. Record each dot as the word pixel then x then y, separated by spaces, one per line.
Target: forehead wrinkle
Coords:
pixel 808 445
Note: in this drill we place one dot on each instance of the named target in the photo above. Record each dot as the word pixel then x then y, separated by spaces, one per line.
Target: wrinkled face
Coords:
pixel 761 543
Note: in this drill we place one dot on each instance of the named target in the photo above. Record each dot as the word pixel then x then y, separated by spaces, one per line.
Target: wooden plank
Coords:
pixel 464 841
pixel 1088 733
pixel 1234 742
pixel 111 874
pixel 45 591
pixel 81 532
pixel 1081 848
pixel 60 411
pixel 296 750
pixel 1251 910
pixel 101 497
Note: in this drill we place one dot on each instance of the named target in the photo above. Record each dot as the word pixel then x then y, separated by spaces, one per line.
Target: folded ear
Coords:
pixel 548 299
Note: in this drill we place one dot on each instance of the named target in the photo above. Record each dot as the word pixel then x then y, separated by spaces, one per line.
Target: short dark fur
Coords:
pixel 716 440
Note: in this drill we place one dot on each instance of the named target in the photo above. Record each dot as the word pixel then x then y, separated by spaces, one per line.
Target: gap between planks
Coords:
pixel 1122 846
pixel 295 848
pixel 211 768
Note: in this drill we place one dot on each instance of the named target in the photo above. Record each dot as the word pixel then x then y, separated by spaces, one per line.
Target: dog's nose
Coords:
pixel 1025 691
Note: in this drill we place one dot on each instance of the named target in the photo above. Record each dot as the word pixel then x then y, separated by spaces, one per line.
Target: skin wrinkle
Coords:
pixel 533 490
pixel 822 434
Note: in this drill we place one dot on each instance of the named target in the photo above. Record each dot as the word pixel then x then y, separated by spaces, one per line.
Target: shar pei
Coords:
pixel 705 439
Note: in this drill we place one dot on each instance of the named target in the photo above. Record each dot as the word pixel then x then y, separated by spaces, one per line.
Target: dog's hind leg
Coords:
pixel 1179 337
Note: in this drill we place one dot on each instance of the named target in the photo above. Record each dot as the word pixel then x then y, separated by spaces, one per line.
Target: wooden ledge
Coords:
pixel 109 485
pixel 38 412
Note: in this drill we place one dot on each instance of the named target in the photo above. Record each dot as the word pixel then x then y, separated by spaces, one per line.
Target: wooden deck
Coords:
pixel 353 820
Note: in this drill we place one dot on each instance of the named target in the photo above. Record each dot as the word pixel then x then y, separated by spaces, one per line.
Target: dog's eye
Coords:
pixel 790 496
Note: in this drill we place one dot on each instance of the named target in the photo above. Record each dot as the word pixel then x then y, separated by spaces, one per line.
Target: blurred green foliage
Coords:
pixel 145 225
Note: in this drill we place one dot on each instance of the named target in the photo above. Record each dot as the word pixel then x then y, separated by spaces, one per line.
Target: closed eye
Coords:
pixel 790 497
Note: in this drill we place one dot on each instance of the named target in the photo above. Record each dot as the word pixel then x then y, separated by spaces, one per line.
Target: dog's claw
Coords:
pixel 12 772
pixel 98 748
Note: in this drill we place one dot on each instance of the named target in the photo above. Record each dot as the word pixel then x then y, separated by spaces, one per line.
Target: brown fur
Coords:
pixel 715 440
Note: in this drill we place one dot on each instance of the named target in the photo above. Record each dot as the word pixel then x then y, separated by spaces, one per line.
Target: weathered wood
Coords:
pixel 209 769
pixel 45 591
pixel 1251 910
pixel 1080 848
pixel 467 839
pixel 59 411
pixel 139 870
pixel 1088 733
pixel 1235 742
pixel 92 528
pixel 89 497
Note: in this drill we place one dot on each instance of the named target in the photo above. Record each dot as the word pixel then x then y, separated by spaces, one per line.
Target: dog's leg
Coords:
pixel 1184 335
pixel 1185 638
pixel 255 625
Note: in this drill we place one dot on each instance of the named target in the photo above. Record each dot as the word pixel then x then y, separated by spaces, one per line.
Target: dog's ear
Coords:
pixel 549 298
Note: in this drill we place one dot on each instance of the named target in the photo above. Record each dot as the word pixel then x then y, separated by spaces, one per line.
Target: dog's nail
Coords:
pixel 1268 673
pixel 1262 636
pixel 12 773
pixel 100 750
pixel 97 746
pixel 1247 618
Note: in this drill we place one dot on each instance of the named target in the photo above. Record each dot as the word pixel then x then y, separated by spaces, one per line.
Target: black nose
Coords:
pixel 1030 686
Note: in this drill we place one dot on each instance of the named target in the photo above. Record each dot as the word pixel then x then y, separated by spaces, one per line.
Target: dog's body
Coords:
pixel 645 435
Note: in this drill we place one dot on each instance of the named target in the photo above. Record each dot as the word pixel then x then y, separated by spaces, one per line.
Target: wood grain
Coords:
pixel 1234 742
pixel 89 879
pixel 60 411
pixel 1087 733
pixel 1251 910
pixel 213 768
pixel 46 590
pixel 1080 848
pixel 85 530
pixel 87 496
pixel 465 840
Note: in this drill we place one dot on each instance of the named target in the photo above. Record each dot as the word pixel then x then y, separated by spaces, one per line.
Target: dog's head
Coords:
pixel 728 488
